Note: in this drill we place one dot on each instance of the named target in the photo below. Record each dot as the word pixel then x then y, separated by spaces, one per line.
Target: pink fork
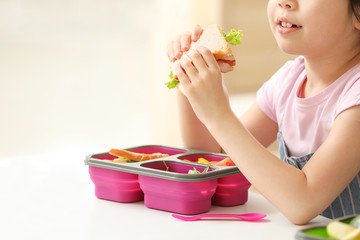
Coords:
pixel 245 216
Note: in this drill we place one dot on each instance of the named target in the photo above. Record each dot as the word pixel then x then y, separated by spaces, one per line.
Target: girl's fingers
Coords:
pixel 197 59
pixel 170 51
pixel 182 43
pixel 183 78
pixel 196 33
pixel 208 57
pixel 188 67
pixel 177 48
pixel 185 42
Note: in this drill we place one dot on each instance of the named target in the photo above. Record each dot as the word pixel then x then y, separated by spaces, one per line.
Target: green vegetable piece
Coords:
pixel 167 168
pixel 195 171
pixel 234 37
pixel 172 82
pixel 207 168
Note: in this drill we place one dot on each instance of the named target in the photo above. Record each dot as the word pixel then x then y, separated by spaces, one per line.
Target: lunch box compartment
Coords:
pixel 143 149
pixel 122 186
pixel 115 186
pixel 231 190
pixel 178 197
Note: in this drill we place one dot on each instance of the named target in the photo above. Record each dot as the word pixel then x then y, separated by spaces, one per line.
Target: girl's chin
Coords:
pixel 289 49
pixel 291 52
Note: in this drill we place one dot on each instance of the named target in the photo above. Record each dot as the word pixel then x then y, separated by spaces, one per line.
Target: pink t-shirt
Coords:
pixel 307 121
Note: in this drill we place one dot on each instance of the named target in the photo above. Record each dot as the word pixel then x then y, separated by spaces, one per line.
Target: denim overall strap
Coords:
pixel 298 162
pixel 347 203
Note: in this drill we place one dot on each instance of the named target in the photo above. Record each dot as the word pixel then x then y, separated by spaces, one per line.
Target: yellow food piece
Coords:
pixel 338 230
pixel 354 235
pixel 121 160
pixel 202 160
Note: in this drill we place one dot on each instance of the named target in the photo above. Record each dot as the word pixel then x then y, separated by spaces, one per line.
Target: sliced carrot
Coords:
pixel 135 156
pixel 225 162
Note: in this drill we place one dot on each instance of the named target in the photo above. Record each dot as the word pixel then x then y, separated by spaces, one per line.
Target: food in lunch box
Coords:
pixel 342 231
pixel 128 156
pixel 225 162
pixel 166 166
pixel 202 160
pixel 195 171
pixel 218 42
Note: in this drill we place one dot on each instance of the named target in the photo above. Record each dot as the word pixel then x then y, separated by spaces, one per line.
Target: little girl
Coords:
pixel 310 106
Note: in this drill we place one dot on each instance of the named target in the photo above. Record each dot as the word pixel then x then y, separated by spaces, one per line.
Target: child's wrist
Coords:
pixel 221 119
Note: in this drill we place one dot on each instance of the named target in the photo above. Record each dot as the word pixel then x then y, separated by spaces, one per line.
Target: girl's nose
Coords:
pixel 288 4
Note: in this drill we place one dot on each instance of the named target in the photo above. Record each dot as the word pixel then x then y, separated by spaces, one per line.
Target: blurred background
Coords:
pixel 87 75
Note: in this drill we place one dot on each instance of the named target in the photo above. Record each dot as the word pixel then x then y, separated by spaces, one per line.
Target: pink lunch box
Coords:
pixel 165 184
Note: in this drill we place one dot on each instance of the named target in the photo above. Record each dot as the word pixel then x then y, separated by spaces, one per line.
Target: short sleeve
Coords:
pixel 350 97
pixel 273 94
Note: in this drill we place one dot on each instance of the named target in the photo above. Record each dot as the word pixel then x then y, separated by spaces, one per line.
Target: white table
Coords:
pixel 52 197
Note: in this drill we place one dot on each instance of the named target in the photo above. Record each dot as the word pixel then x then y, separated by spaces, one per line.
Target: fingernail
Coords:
pixel 193 37
pixel 178 55
pixel 185 48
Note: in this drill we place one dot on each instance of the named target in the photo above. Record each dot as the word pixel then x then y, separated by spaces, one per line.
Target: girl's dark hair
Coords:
pixel 355 6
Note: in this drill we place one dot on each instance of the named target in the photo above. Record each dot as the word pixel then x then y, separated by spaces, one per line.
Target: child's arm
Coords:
pixel 194 134
pixel 263 128
pixel 299 194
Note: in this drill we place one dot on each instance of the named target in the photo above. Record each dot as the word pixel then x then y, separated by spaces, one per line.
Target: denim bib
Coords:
pixel 347 203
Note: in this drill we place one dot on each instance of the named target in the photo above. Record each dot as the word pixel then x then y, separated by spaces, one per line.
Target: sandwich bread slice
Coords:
pixel 213 38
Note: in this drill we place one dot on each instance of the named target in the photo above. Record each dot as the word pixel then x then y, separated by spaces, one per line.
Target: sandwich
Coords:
pixel 217 42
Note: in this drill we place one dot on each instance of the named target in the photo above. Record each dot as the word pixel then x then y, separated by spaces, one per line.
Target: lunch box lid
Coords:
pixel 141 169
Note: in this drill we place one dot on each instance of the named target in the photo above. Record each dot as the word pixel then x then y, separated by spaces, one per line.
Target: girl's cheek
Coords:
pixel 270 13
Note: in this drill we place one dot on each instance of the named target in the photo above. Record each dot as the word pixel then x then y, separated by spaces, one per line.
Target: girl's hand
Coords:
pixel 181 44
pixel 201 80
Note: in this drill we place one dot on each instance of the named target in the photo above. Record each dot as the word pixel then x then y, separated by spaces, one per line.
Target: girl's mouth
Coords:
pixel 288 25
pixel 285 27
